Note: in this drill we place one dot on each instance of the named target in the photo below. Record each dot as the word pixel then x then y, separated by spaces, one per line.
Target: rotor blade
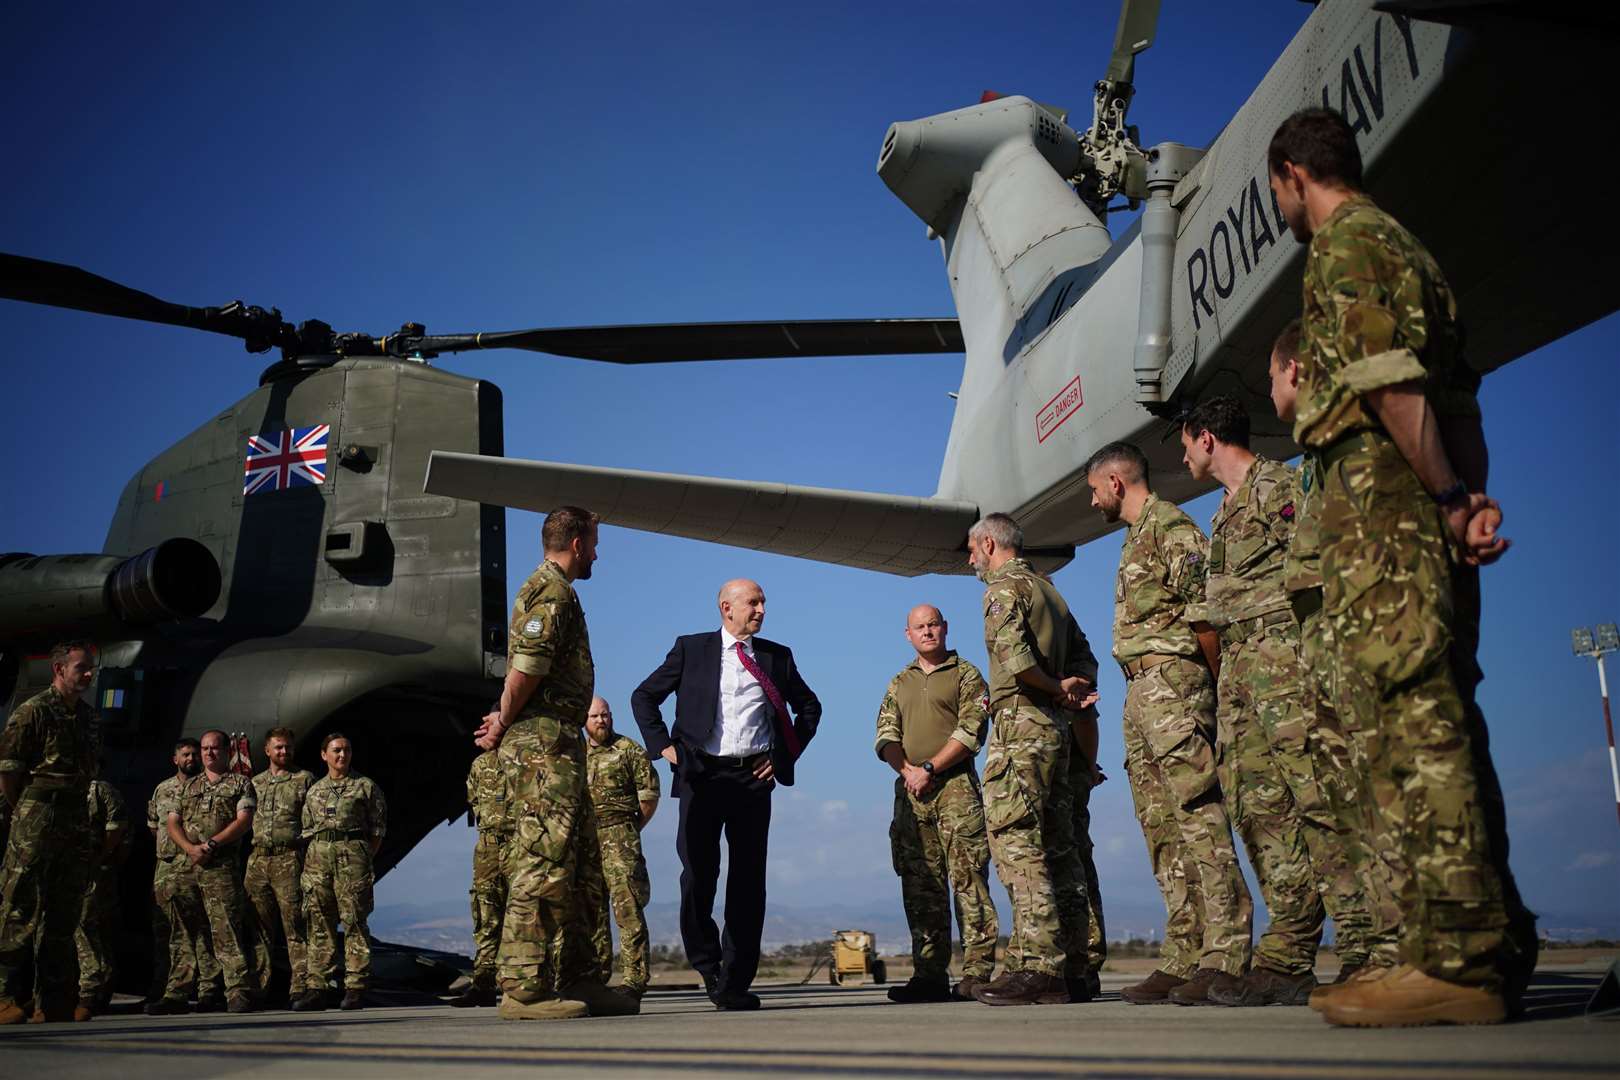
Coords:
pixel 1137 22
pixel 35 281
pixel 671 342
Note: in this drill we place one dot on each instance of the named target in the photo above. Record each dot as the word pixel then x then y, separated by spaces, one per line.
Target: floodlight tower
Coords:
pixel 1607 640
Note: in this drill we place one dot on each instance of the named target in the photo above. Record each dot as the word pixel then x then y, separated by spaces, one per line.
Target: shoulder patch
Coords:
pixel 996 608
pixel 533 627
pixel 1287 511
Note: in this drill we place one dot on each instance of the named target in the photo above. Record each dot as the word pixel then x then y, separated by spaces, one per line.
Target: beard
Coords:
pixel 192 767
pixel 1110 510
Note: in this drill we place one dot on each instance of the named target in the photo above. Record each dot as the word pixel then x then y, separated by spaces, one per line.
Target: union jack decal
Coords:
pixel 284 459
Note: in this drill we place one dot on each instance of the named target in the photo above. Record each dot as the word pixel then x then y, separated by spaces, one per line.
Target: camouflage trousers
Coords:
pixel 1390 597
pixel 95 938
pixel 624 872
pixel 941 852
pixel 336 883
pixel 42 882
pixel 274 888
pixel 1339 750
pixel 1029 815
pixel 1169 726
pixel 209 905
pixel 556 899
pixel 488 895
pixel 1080 775
pixel 1285 819
pixel 176 961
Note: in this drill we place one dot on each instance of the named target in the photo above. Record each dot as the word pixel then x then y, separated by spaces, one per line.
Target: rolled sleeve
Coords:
pixel 648 787
pixel 530 664
pixel 972 708
pixel 1388 368
pixel 888 720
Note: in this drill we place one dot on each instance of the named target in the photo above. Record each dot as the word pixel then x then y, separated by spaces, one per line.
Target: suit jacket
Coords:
pixel 691 672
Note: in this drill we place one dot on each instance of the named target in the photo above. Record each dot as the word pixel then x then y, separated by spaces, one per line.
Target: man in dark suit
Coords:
pixel 733 741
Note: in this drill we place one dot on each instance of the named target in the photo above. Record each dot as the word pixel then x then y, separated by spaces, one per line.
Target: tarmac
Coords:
pixel 823 1031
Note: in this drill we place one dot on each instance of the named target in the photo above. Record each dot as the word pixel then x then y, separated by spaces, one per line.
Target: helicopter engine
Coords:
pixel 54 596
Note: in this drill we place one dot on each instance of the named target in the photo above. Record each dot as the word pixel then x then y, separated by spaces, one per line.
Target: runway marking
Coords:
pixel 825 1061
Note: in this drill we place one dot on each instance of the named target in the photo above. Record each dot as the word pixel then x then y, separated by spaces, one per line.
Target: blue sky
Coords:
pixel 521 165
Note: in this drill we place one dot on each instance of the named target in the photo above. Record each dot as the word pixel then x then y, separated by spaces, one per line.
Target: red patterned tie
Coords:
pixel 790 738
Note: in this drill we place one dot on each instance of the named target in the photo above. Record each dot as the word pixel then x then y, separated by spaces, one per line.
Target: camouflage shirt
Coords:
pixel 352 804
pixel 922 709
pixel 208 806
pixel 620 779
pixel 277 819
pixel 489 793
pixel 1302 567
pixel 1162 569
pixel 1377 312
pixel 1027 625
pixel 1248 541
pixel 549 640
pixel 106 807
pixel 165 799
pixel 52 741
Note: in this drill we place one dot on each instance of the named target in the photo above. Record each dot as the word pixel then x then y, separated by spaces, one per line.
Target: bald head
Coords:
pixel 599 721
pixel 925 629
pixel 742 607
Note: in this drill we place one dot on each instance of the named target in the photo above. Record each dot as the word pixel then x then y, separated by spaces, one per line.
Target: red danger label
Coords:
pixel 1060 408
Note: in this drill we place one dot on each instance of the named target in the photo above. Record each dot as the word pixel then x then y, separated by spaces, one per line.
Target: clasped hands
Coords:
pixel 1473 523
pixel 1076 693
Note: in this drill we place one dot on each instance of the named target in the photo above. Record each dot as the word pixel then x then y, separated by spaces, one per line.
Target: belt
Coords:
pixel 1244 629
pixel 1335 452
pixel 275 849
pixel 1146 662
pixel 340 834
pixel 726 761
pixel 500 836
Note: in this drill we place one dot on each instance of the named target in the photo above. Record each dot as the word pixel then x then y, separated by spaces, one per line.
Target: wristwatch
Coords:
pixel 1452 494
pixel 928 767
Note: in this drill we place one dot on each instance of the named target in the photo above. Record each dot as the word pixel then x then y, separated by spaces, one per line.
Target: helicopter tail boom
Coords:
pixel 898 534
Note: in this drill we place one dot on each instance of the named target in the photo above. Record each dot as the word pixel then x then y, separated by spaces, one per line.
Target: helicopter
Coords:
pixel 373 598
pixel 1075 337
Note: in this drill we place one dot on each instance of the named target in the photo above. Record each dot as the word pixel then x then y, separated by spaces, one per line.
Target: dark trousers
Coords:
pixel 734 802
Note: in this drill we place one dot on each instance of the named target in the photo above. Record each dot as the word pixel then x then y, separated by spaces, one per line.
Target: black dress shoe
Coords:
pixel 915 991
pixel 735 1000
pixel 711 986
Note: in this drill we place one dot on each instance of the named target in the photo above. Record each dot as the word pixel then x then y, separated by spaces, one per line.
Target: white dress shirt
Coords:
pixel 742 716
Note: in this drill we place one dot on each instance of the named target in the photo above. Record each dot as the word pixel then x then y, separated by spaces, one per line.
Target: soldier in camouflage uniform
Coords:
pixel 345 819
pixel 96 937
pixel 1387 408
pixel 1266 715
pixel 549 968
pixel 624 792
pixel 275 868
pixel 1033 644
pixel 1169 722
pixel 1338 746
pixel 174 955
pixel 489 794
pixel 214 813
pixel 47 759
pixel 933 719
